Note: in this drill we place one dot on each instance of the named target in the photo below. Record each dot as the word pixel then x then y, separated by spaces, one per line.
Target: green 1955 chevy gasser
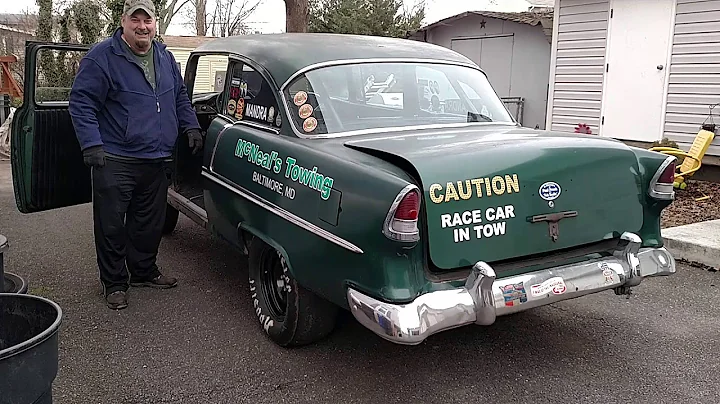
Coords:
pixel 382 176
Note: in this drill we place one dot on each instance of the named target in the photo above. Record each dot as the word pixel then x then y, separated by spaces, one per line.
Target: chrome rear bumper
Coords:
pixel 484 298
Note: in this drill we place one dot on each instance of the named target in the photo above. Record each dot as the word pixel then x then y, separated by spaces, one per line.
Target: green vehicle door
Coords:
pixel 275 185
pixel 47 164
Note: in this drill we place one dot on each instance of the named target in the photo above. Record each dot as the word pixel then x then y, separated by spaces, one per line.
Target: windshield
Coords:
pixel 367 96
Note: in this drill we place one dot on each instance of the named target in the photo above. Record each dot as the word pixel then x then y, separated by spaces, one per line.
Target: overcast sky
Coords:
pixel 270 15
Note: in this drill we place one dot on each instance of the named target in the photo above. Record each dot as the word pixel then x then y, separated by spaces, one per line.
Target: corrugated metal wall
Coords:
pixel 581 29
pixel 694 81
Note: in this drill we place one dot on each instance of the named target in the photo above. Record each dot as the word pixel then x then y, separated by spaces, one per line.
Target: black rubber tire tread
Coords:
pixel 308 319
pixel 171 219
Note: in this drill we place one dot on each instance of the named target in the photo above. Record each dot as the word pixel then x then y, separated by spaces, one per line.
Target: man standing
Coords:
pixel 128 104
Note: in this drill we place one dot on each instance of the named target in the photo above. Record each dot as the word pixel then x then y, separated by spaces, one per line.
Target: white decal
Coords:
pixel 273 185
pixel 255 111
pixel 555 285
pixel 265 321
pixel 550 191
pixel 494 216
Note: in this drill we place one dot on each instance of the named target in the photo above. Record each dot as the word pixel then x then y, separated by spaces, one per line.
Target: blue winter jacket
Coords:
pixel 113 104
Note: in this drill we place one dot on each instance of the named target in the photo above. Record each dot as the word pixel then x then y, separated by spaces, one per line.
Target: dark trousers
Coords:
pixel 129 201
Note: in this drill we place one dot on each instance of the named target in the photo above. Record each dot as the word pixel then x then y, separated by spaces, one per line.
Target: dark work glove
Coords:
pixel 195 140
pixel 94 156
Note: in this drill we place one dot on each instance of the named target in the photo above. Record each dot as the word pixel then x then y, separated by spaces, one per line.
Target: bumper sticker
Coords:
pixel 554 285
pixel 607 272
pixel 514 294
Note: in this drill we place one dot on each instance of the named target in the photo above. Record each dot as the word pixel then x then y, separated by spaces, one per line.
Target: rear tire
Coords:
pixel 171 219
pixel 288 313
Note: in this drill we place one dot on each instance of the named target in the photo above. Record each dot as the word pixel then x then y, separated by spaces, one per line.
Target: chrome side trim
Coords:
pixel 667 192
pixel 248 123
pixel 217 142
pixel 277 210
pixel 188 208
pixel 483 298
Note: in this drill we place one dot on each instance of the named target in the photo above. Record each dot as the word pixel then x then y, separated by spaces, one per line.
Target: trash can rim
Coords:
pixel 36 340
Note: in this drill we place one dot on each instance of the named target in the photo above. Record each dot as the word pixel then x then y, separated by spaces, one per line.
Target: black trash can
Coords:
pixel 28 348
pixel 9 282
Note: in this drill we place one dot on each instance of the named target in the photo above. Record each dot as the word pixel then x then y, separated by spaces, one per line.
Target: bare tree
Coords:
pixel 196 16
pixel 166 13
pixel 229 16
pixel 200 17
pixel 296 15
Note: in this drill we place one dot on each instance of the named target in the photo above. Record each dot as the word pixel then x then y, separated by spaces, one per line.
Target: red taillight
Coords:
pixel 661 185
pixel 668 176
pixel 409 207
pixel 401 223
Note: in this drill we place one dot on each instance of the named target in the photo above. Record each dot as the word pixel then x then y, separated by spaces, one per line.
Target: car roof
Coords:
pixel 282 55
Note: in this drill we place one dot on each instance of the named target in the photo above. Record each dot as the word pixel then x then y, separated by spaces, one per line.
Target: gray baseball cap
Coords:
pixel 132 6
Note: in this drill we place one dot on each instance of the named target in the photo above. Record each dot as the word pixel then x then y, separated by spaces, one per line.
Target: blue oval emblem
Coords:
pixel 550 191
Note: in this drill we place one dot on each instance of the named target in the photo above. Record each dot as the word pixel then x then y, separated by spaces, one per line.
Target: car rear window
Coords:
pixel 367 97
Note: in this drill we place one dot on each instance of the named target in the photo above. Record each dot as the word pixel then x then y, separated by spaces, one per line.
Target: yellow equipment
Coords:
pixel 693 159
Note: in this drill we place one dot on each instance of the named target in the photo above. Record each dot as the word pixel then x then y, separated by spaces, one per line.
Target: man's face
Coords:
pixel 139 29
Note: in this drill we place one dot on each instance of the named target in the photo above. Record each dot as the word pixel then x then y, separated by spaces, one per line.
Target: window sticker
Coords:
pixel 310 124
pixel 240 109
pixel 300 98
pixel 305 111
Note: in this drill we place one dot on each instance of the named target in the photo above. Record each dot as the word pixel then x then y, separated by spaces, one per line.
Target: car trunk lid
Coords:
pixel 497 193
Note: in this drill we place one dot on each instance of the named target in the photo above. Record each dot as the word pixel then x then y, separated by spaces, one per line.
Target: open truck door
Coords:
pixel 47 163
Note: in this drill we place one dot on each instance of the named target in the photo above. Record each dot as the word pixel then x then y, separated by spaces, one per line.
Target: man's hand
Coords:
pixel 94 156
pixel 195 140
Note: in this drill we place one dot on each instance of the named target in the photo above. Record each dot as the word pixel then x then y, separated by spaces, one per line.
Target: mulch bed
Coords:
pixel 686 210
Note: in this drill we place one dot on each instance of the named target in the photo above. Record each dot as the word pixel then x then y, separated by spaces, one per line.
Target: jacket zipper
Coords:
pixel 157 100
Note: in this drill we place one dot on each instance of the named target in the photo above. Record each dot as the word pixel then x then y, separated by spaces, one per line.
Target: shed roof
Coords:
pixel 523 17
pixel 15 30
pixel 543 16
pixel 284 54
pixel 542 3
pixel 183 41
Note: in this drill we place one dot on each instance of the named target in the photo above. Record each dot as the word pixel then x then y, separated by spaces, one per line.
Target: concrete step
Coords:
pixel 698 242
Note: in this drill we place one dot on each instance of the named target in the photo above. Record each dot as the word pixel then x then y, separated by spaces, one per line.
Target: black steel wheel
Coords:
pixel 288 313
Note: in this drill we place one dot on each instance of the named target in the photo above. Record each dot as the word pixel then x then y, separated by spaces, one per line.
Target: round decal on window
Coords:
pixel 305 111
pixel 300 98
pixel 310 124
pixel 231 107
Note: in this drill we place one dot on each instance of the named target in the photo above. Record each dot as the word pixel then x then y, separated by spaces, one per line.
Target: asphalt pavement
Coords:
pixel 200 342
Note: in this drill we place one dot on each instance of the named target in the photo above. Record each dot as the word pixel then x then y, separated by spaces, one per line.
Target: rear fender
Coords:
pixel 648 164
pixel 244 230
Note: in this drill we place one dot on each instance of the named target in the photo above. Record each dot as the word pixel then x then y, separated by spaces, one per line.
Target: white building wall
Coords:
pixel 577 64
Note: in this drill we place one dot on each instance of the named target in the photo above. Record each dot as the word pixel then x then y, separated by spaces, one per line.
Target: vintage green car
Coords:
pixel 381 176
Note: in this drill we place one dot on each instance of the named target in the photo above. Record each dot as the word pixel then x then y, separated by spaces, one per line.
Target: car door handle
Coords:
pixel 660 67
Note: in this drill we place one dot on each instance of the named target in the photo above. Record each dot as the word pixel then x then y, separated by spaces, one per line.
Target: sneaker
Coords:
pixel 117 300
pixel 160 282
